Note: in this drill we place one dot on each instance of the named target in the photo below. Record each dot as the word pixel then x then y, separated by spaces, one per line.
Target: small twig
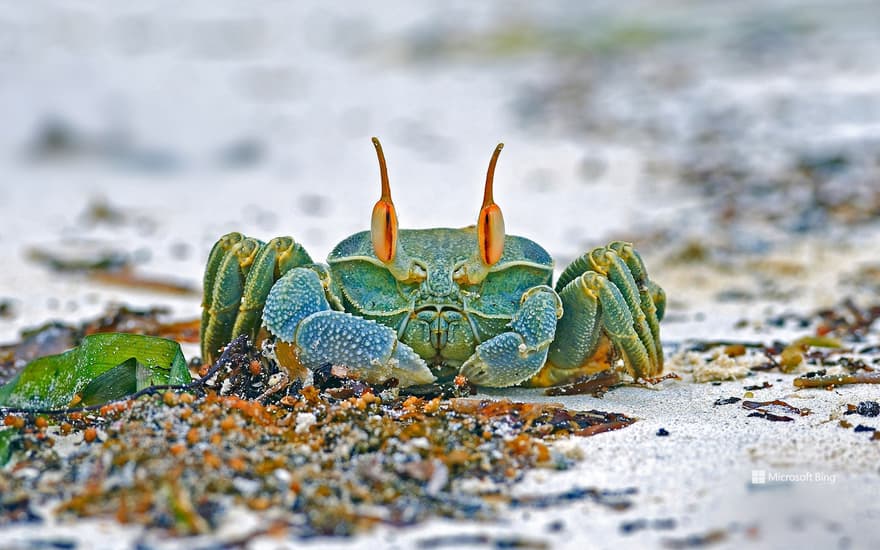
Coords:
pixel 598 383
pixel 837 380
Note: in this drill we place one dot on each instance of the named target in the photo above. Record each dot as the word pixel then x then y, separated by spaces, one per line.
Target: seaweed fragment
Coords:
pixel 714 536
pixel 595 385
pixel 617 500
pixel 831 380
pixel 770 416
pixel 726 401
pixel 478 539
pixel 762 406
pixel 865 408
pixel 129 278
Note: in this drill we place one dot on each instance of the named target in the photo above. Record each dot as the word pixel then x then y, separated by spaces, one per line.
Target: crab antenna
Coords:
pixel 383 225
pixel 490 223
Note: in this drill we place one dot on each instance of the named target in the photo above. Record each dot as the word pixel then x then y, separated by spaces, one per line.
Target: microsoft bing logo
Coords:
pixel 763 477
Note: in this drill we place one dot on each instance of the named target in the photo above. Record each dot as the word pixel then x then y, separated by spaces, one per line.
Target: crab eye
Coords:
pixel 460 275
pixel 383 226
pixel 490 223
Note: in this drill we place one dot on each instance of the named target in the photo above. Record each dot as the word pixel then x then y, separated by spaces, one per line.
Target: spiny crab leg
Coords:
pixel 311 334
pixel 518 354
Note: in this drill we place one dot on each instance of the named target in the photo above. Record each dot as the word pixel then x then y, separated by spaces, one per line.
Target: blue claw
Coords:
pixel 295 296
pixel 515 356
pixel 297 311
pixel 364 346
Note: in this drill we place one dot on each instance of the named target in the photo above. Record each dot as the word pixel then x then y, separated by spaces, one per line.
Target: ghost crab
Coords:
pixel 421 303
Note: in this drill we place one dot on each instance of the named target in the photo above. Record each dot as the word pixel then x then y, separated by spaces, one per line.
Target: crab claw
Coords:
pixel 299 315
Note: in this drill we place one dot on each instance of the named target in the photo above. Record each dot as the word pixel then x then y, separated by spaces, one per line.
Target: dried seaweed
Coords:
pixel 763 406
pixel 727 401
pixel 832 380
pixel 596 385
pixel 127 277
pixel 864 408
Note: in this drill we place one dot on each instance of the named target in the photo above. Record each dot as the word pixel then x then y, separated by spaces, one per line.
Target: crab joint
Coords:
pixel 383 226
pixel 490 224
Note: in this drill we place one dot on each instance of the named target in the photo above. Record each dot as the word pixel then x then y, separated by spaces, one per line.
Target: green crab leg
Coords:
pixel 299 314
pixel 659 299
pixel 277 257
pixel 652 297
pixel 215 258
pixel 517 355
pixel 222 309
pixel 607 262
pixel 593 305
pixel 238 277
pixel 623 266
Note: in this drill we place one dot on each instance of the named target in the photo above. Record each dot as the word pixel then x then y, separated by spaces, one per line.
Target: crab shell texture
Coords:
pixel 437 293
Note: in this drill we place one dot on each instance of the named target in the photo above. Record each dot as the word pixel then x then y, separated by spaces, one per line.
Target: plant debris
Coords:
pixel 595 385
pixel 777 404
pixel 696 541
pixel 469 540
pixel 75 260
pixel 770 416
pixel 107 266
pixel 864 408
pixel 727 401
pixel 127 277
pixel 323 462
pixel 660 524
pixel 55 337
pixel 831 380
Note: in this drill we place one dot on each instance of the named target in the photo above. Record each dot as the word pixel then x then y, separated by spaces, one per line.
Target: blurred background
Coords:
pixel 737 144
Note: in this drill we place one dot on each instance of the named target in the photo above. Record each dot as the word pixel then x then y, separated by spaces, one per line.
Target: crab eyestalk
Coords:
pixel 490 223
pixel 383 226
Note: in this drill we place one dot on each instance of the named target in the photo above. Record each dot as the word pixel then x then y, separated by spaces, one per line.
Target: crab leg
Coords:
pixel 312 335
pixel 610 262
pixel 273 260
pixel 221 308
pixel 517 355
pixel 652 297
pixel 238 277
pixel 218 253
pixel 595 311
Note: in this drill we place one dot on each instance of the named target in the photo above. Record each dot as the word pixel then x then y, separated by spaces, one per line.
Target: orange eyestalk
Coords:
pixel 490 224
pixel 383 226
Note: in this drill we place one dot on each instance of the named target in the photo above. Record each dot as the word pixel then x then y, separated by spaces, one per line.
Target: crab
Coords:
pixel 423 304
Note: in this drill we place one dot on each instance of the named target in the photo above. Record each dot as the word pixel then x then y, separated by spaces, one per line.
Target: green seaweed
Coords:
pixel 103 367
